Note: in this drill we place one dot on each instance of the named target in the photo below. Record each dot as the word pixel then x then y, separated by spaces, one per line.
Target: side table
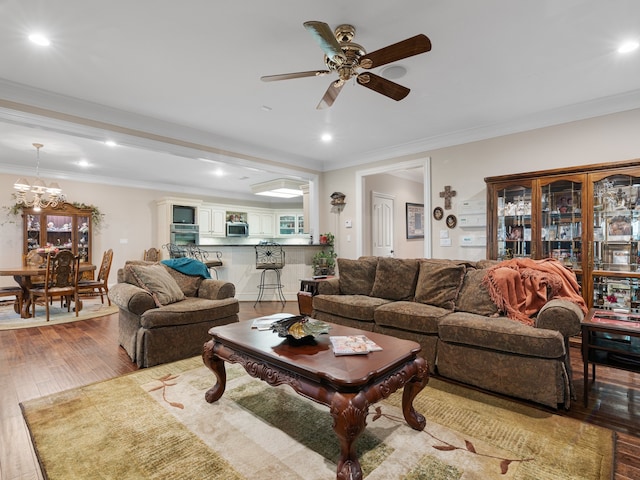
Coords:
pixel 308 289
pixel 612 339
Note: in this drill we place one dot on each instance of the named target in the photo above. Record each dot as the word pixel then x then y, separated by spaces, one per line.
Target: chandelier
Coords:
pixel 39 189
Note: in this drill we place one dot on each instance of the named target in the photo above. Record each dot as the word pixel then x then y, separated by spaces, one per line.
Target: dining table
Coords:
pixel 23 276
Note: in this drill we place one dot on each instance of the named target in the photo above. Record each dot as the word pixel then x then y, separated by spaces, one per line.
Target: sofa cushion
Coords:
pixel 395 278
pixel 357 276
pixel 474 296
pixel 410 317
pixel 158 282
pixel 439 283
pixel 189 311
pixel 357 307
pixel 500 334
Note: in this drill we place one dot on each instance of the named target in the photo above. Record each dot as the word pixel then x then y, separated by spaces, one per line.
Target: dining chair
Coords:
pixel 60 281
pixel 99 286
pixel 151 255
pixel 13 292
pixel 34 259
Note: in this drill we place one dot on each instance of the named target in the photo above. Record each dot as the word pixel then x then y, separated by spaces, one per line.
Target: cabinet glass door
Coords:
pixel 83 238
pixel 616 232
pixel 561 222
pixel 514 222
pixel 33 232
pixel 59 231
pixel 300 224
pixel 287 224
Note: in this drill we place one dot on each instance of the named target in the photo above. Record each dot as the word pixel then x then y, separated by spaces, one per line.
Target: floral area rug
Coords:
pixel 155 424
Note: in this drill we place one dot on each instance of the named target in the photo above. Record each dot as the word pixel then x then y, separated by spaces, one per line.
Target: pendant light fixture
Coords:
pixel 43 196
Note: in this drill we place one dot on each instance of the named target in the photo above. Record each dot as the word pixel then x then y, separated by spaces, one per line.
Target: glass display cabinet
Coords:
pixel 586 217
pixel 65 227
pixel 616 233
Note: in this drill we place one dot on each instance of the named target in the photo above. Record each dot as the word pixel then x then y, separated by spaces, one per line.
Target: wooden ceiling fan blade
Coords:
pixel 323 35
pixel 330 95
pixel 288 76
pixel 404 49
pixel 382 85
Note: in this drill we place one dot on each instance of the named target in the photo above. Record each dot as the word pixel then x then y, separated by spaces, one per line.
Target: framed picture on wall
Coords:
pixel 415 220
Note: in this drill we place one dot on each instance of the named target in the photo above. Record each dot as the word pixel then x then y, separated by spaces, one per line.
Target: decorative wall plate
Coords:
pixel 452 221
pixel 438 213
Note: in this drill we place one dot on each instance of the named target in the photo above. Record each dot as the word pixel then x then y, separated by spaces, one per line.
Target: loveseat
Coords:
pixel 447 307
pixel 165 315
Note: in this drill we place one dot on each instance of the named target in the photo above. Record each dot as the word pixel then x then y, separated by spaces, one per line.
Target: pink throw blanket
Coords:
pixel 521 287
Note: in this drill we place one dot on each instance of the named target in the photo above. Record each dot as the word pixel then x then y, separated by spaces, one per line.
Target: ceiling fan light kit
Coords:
pixel 345 57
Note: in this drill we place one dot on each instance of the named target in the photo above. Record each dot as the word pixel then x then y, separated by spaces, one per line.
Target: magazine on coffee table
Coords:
pixel 353 345
pixel 264 323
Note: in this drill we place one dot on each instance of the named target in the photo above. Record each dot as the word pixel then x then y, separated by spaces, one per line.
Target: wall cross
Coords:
pixel 447 195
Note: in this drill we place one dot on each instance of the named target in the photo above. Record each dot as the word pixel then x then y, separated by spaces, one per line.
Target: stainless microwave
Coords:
pixel 237 229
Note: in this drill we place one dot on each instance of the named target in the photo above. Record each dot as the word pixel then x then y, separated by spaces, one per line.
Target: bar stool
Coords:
pixel 270 257
pixel 197 253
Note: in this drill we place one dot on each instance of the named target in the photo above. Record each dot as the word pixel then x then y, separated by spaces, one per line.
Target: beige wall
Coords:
pixel 608 138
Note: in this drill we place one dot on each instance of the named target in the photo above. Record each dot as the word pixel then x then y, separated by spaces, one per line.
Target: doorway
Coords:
pixel 423 163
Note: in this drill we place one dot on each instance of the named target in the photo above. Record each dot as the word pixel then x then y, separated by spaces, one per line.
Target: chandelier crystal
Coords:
pixel 39 189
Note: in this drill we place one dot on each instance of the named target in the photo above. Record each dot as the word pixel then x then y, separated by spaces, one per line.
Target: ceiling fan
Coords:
pixel 345 57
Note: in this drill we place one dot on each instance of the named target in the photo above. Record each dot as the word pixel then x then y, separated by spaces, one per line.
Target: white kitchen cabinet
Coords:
pixel 211 221
pixel 261 224
pixel 290 223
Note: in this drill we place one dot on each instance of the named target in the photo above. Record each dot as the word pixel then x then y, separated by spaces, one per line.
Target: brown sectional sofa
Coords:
pixel 445 306
pixel 163 320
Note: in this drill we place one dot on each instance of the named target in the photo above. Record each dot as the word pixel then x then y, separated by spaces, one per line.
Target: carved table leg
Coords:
pixel 216 365
pixel 349 414
pixel 411 389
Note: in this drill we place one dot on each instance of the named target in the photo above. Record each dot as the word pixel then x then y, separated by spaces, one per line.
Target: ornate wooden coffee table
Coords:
pixel 346 384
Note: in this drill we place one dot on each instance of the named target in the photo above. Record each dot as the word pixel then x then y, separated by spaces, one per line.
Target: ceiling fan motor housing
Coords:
pixel 352 51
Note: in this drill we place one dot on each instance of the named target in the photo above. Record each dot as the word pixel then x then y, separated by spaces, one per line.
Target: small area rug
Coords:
pixel 91 308
pixel 155 424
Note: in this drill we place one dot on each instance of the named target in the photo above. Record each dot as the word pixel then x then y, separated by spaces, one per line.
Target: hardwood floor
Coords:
pixel 39 361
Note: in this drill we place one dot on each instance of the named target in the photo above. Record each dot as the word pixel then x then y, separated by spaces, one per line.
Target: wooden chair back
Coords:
pixel 151 255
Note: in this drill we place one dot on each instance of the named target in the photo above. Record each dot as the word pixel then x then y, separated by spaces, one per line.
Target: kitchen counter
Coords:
pixel 213 247
pixel 239 268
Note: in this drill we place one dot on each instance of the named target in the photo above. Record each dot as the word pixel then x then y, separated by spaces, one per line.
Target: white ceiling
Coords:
pixel 172 82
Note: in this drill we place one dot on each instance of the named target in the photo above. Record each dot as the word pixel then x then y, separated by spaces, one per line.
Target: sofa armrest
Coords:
pixel 216 289
pixel 561 315
pixel 330 286
pixel 131 298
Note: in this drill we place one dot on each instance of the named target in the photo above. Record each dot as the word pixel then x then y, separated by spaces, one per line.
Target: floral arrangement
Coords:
pixel 97 216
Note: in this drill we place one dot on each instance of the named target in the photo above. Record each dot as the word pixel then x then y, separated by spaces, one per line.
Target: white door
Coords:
pixel 381 224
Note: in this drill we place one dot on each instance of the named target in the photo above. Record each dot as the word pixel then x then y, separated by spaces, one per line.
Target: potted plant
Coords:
pixel 324 262
pixel 327 238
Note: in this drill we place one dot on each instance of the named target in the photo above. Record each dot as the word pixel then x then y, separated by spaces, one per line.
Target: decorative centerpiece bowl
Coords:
pixel 299 329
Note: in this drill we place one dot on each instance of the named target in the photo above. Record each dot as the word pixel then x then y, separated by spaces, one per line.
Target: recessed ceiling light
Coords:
pixel 326 137
pixel 83 163
pixel 110 143
pixel 219 172
pixel 39 39
pixel 627 47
